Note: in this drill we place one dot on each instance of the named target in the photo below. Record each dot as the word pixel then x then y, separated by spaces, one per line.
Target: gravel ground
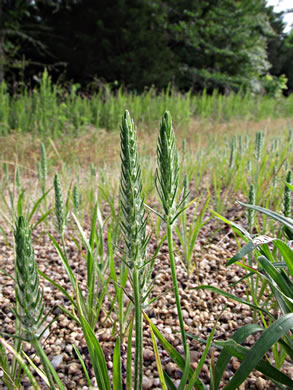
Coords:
pixel 200 307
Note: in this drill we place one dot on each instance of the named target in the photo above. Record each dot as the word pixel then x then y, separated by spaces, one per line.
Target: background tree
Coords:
pixel 287 59
pixel 17 34
pixel 113 40
pixel 223 44
pixel 220 44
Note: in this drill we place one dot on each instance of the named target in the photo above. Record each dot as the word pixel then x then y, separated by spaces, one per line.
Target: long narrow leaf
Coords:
pixel 158 361
pixel 272 214
pixel 48 367
pixel 97 355
pixel 240 352
pixel 231 296
pixel 175 355
pixel 129 358
pixel 82 365
pixel 284 284
pixel 117 375
pixel 278 329
pixel 239 336
pixel 36 205
pixel 169 382
pixel 58 286
pixel 64 261
pixel 42 218
pixel 233 224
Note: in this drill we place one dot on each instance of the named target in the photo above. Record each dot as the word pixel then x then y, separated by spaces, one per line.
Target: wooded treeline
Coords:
pixel 194 44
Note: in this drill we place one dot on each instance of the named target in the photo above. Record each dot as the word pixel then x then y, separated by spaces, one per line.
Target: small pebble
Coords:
pixel 170 368
pixel 148 355
pixel 235 364
pixel 147 383
pixel 68 348
pixel 260 383
pixel 56 361
pixel 73 368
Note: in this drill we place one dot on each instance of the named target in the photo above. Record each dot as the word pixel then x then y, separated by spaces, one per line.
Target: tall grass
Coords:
pixel 54 111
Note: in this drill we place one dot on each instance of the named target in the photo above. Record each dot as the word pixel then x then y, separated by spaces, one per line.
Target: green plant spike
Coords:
pixel 167 180
pixel 59 206
pixel 184 149
pixel 287 196
pixel 76 198
pixel 251 212
pixel 232 152
pixel 93 170
pixel 29 297
pixel 167 174
pixel 259 142
pixel 17 179
pixel 6 171
pixel 43 167
pixel 133 226
pixel 28 293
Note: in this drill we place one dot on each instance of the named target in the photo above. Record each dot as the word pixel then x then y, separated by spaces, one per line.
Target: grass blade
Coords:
pixel 239 336
pixel 278 329
pixel 175 355
pixel 117 375
pixel 36 205
pixel 21 362
pixel 157 356
pixel 288 222
pixel 128 365
pixel 227 295
pixel 83 365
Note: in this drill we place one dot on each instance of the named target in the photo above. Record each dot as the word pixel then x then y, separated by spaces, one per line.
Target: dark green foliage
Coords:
pixel 287 59
pixel 220 44
pixel 195 45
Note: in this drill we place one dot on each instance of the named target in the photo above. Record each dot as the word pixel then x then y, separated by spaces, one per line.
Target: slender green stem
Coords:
pixel 63 246
pixel 40 352
pixel 175 284
pixel 138 363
